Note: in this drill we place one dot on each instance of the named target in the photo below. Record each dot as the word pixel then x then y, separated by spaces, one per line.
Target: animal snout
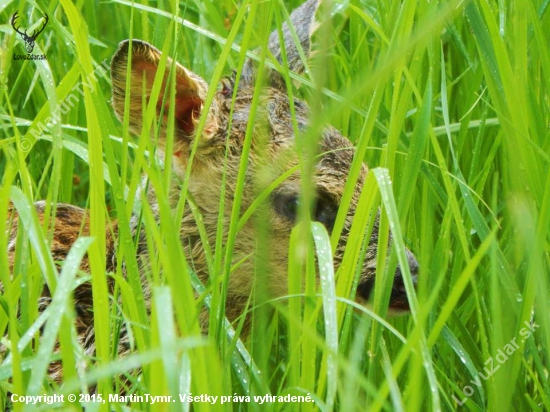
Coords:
pixel 398 298
pixel 399 302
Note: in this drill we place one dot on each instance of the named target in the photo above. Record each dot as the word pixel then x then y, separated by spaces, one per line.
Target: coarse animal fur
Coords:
pixel 219 148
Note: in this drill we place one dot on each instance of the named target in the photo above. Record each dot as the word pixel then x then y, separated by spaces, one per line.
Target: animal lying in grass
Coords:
pixel 219 149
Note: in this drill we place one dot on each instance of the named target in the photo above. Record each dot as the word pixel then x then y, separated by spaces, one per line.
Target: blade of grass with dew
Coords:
pixel 384 185
pixel 328 289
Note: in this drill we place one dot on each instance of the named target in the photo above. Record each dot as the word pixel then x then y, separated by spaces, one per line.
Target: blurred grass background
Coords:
pixel 451 99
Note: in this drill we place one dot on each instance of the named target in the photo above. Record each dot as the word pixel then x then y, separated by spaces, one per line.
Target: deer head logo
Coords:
pixel 29 39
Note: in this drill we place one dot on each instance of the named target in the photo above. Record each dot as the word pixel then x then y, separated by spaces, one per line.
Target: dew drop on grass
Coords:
pixel 337 9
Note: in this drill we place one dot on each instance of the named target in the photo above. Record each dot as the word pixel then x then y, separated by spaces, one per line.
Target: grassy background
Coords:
pixel 451 99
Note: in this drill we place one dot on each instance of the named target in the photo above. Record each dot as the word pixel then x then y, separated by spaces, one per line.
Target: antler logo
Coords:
pixel 29 39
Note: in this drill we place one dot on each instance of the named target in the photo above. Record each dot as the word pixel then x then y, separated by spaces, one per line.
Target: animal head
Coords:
pixel 220 144
pixel 29 39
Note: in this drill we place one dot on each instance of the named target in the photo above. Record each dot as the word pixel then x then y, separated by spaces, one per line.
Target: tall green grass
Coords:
pixel 447 102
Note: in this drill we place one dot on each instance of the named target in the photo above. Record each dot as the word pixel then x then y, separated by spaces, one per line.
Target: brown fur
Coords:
pixel 273 152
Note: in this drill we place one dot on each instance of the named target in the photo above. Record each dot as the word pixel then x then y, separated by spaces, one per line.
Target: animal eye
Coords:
pixel 325 212
pixel 287 206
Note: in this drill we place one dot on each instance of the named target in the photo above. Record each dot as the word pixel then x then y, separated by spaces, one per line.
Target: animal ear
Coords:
pixel 303 21
pixel 190 94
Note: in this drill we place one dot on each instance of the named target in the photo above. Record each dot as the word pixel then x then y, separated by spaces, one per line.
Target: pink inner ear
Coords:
pixel 188 103
pixel 144 66
pixel 187 108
